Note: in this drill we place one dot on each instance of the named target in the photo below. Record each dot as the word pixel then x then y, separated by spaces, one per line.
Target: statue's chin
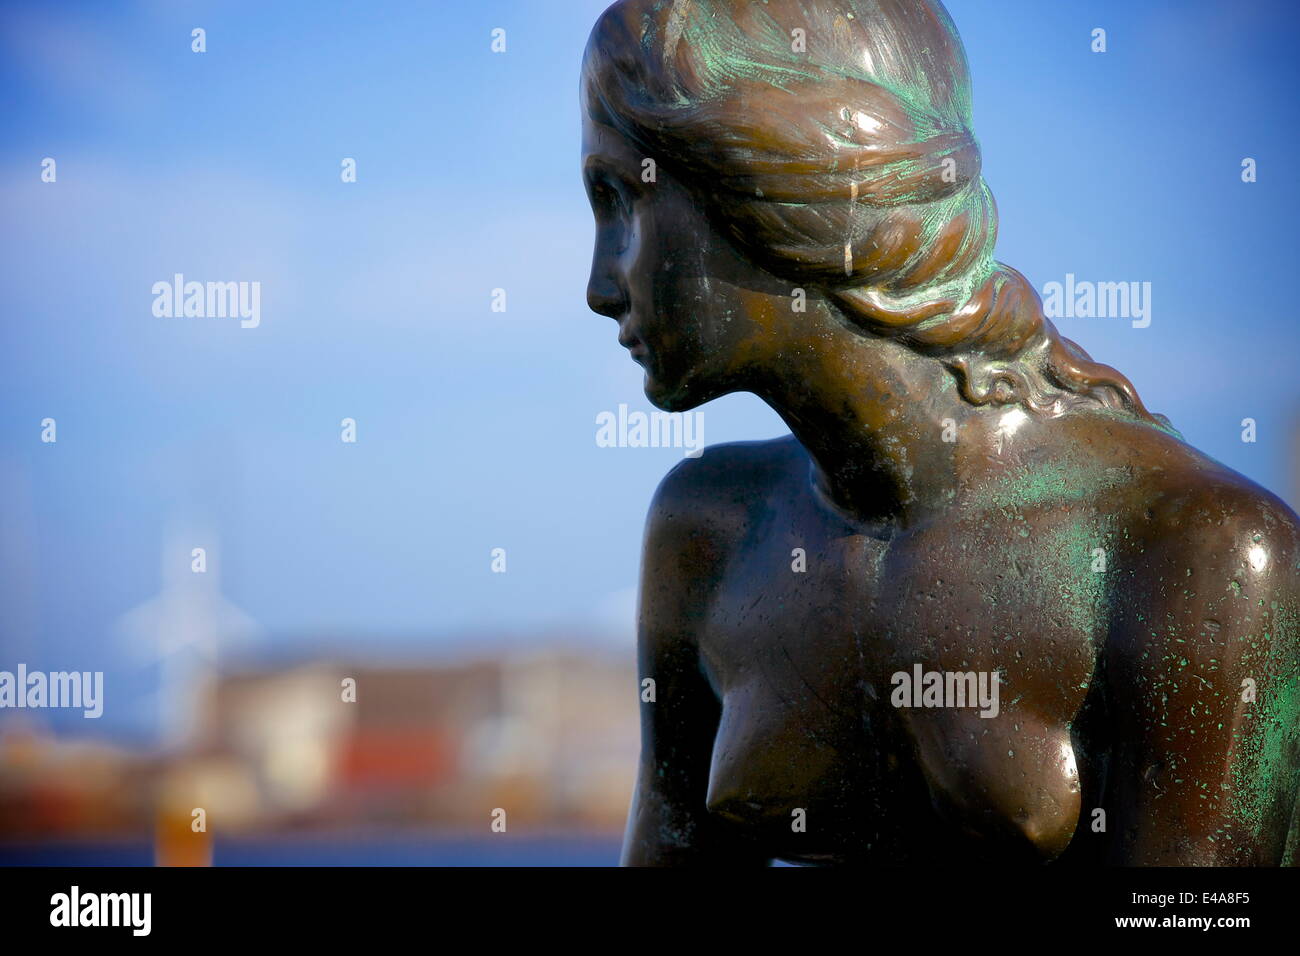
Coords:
pixel 675 396
pixel 662 402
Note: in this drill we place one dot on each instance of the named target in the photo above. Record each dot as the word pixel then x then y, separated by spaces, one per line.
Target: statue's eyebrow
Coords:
pixel 599 167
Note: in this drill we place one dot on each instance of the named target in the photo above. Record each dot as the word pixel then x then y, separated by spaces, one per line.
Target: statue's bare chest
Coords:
pixel 805 641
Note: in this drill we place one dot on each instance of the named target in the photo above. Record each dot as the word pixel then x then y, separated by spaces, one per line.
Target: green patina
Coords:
pixel 727 55
pixel 1064 557
pixel 717 41
pixel 1267 767
pixel 1051 483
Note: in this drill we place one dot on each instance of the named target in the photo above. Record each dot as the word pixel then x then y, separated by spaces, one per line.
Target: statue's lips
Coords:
pixel 633 344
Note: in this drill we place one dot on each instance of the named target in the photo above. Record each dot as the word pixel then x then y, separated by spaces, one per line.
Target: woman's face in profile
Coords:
pixel 691 311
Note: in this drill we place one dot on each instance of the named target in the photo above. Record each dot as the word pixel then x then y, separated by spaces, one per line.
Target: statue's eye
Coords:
pixel 609 200
pixel 612 211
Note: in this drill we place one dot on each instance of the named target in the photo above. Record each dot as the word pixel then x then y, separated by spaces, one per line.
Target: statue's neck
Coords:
pixel 890 436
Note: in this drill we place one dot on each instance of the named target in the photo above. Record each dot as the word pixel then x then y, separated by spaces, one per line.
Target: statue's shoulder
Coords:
pixel 1192 499
pixel 1167 491
pixel 722 488
pixel 700 516
pixel 1194 519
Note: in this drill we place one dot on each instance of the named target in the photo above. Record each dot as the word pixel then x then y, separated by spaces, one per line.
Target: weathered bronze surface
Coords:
pixel 964 492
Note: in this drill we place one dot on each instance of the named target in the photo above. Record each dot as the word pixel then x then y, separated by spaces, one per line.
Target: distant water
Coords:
pixel 404 850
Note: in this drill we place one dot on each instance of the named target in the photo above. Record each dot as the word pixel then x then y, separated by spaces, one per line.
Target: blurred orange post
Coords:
pixel 181 836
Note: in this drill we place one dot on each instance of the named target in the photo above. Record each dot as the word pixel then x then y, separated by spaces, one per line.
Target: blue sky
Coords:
pixel 476 429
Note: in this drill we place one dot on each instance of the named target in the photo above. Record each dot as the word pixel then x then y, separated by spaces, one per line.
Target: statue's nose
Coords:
pixel 605 295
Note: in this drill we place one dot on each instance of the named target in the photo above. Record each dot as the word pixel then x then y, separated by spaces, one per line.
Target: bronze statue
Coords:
pixel 981 604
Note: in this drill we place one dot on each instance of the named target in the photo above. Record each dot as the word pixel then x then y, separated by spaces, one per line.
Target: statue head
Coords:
pixel 739 150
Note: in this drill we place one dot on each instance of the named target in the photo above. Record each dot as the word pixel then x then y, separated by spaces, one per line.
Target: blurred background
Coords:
pixel 476 690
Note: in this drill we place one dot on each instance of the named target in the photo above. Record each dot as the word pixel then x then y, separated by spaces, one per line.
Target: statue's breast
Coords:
pixel 807 749
pixel 794 735
pixel 1013 782
pixel 811 671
